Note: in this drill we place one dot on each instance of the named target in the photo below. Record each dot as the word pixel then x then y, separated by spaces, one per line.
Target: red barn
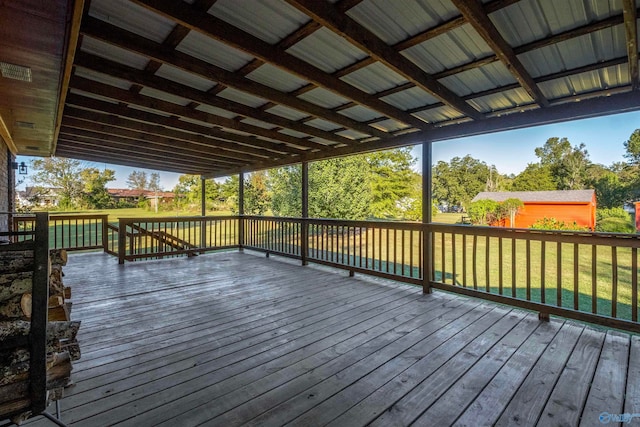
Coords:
pixel 638 216
pixel 563 205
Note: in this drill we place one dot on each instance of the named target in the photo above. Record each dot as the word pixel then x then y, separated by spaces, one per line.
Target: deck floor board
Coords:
pixel 236 339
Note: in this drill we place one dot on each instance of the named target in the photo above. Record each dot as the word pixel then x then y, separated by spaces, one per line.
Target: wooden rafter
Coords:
pixel 631 33
pixel 222 31
pixel 113 35
pixel 346 27
pixel 127 97
pixel 172 127
pixel 474 13
pixel 145 79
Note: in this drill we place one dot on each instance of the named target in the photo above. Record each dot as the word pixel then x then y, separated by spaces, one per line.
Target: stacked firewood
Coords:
pixel 16 273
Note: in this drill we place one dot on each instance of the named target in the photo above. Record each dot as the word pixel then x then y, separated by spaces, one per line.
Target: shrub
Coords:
pixel 616 225
pixel 605 213
pixel 483 211
pixel 554 224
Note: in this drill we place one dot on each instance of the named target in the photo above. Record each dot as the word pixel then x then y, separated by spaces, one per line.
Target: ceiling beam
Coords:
pixel 112 144
pixel 113 35
pixel 5 134
pixel 631 33
pixel 121 95
pixel 71 44
pixel 220 30
pixel 95 154
pixel 343 25
pixel 474 13
pixel 171 127
pixel 142 78
pixel 603 105
pixel 73 126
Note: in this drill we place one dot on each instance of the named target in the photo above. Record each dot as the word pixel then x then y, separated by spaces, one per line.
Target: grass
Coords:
pixel 114 214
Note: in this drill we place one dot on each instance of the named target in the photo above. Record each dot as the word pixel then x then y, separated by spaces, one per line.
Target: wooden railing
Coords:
pixel 140 238
pixel 585 276
pixel 70 232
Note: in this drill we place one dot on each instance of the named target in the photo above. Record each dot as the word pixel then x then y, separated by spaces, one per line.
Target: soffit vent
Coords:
pixel 25 125
pixel 16 72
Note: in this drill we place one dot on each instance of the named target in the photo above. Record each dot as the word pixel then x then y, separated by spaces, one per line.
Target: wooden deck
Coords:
pixel 236 339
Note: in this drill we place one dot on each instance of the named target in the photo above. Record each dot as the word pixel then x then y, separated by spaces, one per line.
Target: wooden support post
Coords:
pixel 427 267
pixel 544 317
pixel 203 211
pixel 105 232
pixel 241 210
pixel 305 214
pixel 39 301
pixel 122 240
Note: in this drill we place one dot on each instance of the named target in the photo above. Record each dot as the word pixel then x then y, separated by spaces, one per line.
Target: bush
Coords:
pixel 483 211
pixel 554 224
pixel 616 225
pixel 606 213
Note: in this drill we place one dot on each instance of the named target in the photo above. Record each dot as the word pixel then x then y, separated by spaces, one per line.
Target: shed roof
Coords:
pixel 557 196
pixel 216 87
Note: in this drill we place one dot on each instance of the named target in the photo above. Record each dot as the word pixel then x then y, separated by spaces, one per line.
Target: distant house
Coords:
pixel 134 196
pixel 563 205
pixel 39 197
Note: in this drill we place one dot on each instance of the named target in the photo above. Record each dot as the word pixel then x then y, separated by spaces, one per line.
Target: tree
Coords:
pixel 483 211
pixel 257 199
pixel 457 182
pixel 392 180
pixel 285 184
pixel 568 165
pixel 632 148
pixel 95 194
pixel 535 177
pixel 510 208
pixel 62 174
pixel 188 192
pixel 137 180
pixel 154 182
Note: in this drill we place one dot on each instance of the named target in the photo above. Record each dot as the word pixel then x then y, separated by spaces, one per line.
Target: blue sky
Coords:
pixel 509 151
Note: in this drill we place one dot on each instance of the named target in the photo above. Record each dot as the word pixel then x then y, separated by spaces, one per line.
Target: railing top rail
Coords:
pixel 31 216
pixel 345 222
pixel 176 218
pixel 562 236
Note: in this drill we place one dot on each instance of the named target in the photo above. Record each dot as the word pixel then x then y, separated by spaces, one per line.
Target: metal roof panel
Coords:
pixel 242 97
pixel 410 98
pixel 147 91
pixel 326 50
pixel 131 17
pixel 324 98
pixel 114 53
pixel 276 78
pixel 212 51
pixel 374 78
pixel 188 79
pixel 360 113
pixel 288 113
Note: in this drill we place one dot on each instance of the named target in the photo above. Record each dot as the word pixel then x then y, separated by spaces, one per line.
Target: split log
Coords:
pixel 55 330
pixel 14 406
pixel 12 309
pixel 55 301
pixel 72 347
pixel 59 313
pixel 10 392
pixel 55 282
pixel 58 256
pixel 12 284
pixel 17 261
pixel 26 304
pixel 66 292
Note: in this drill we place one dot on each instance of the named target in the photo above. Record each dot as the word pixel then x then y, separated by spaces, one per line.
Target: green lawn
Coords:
pixel 114 214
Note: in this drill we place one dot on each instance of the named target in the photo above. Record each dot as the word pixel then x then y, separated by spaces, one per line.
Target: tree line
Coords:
pixel 560 166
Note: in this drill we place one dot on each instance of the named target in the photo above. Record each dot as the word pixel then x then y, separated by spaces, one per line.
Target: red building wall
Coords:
pixel 582 213
pixel 638 216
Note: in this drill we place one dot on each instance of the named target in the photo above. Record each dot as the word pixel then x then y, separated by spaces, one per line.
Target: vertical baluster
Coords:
pixel 443 261
pixel 614 281
pixel 487 256
pixel 528 264
pixel 543 270
pixel 454 266
pixel 464 260
pixel 576 277
pixel 360 252
pixel 513 268
pixel 634 284
pixel 395 252
pixel 500 270
pixel 420 249
pixel 410 253
pixel 594 279
pixel 388 256
pixel 559 273
pixel 474 263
